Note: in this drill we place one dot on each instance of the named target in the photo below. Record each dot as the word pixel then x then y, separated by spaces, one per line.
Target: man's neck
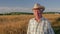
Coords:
pixel 38 19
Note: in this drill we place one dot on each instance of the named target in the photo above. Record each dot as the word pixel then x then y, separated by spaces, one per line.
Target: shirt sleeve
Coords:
pixel 50 29
pixel 28 30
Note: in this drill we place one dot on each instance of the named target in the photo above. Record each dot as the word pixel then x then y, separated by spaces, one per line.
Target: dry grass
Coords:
pixel 17 24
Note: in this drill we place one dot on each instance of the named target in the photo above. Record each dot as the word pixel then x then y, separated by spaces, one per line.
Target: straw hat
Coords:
pixel 38 6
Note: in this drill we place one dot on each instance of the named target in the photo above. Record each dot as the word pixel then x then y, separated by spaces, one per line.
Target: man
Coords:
pixel 38 24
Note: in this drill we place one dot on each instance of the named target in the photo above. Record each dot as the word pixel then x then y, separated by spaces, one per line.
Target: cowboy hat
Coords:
pixel 38 6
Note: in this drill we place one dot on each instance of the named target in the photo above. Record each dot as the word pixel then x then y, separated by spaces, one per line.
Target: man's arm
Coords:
pixel 50 29
pixel 28 30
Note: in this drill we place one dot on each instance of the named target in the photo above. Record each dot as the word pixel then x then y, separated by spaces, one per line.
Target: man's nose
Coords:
pixel 37 12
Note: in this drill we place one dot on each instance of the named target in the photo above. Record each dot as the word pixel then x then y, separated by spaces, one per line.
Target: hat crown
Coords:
pixel 36 5
pixel 39 7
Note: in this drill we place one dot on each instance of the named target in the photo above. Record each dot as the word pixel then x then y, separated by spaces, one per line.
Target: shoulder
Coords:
pixel 31 19
pixel 46 21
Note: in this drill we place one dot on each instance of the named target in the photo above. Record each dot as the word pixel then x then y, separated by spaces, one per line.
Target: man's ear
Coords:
pixel 41 11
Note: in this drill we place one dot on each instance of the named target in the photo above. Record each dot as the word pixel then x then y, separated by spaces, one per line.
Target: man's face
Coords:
pixel 37 12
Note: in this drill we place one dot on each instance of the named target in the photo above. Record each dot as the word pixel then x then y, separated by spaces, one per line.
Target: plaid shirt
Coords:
pixel 43 27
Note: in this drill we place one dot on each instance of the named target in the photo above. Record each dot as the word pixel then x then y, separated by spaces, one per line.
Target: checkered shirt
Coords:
pixel 44 27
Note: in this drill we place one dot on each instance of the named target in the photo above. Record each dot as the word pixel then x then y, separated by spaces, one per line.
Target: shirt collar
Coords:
pixel 40 19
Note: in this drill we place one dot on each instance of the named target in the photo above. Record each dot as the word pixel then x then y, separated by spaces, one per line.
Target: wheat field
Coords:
pixel 17 24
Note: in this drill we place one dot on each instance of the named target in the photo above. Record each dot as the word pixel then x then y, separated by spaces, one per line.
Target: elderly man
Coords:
pixel 38 24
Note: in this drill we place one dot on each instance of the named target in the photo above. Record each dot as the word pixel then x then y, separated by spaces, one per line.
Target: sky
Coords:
pixel 27 5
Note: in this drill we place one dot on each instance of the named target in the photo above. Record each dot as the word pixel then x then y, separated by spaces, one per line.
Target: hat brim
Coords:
pixel 41 7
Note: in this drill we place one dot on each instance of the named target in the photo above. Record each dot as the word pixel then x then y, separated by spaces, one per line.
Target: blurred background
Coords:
pixel 15 15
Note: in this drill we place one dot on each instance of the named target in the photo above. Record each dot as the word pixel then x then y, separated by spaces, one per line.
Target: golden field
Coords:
pixel 17 24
